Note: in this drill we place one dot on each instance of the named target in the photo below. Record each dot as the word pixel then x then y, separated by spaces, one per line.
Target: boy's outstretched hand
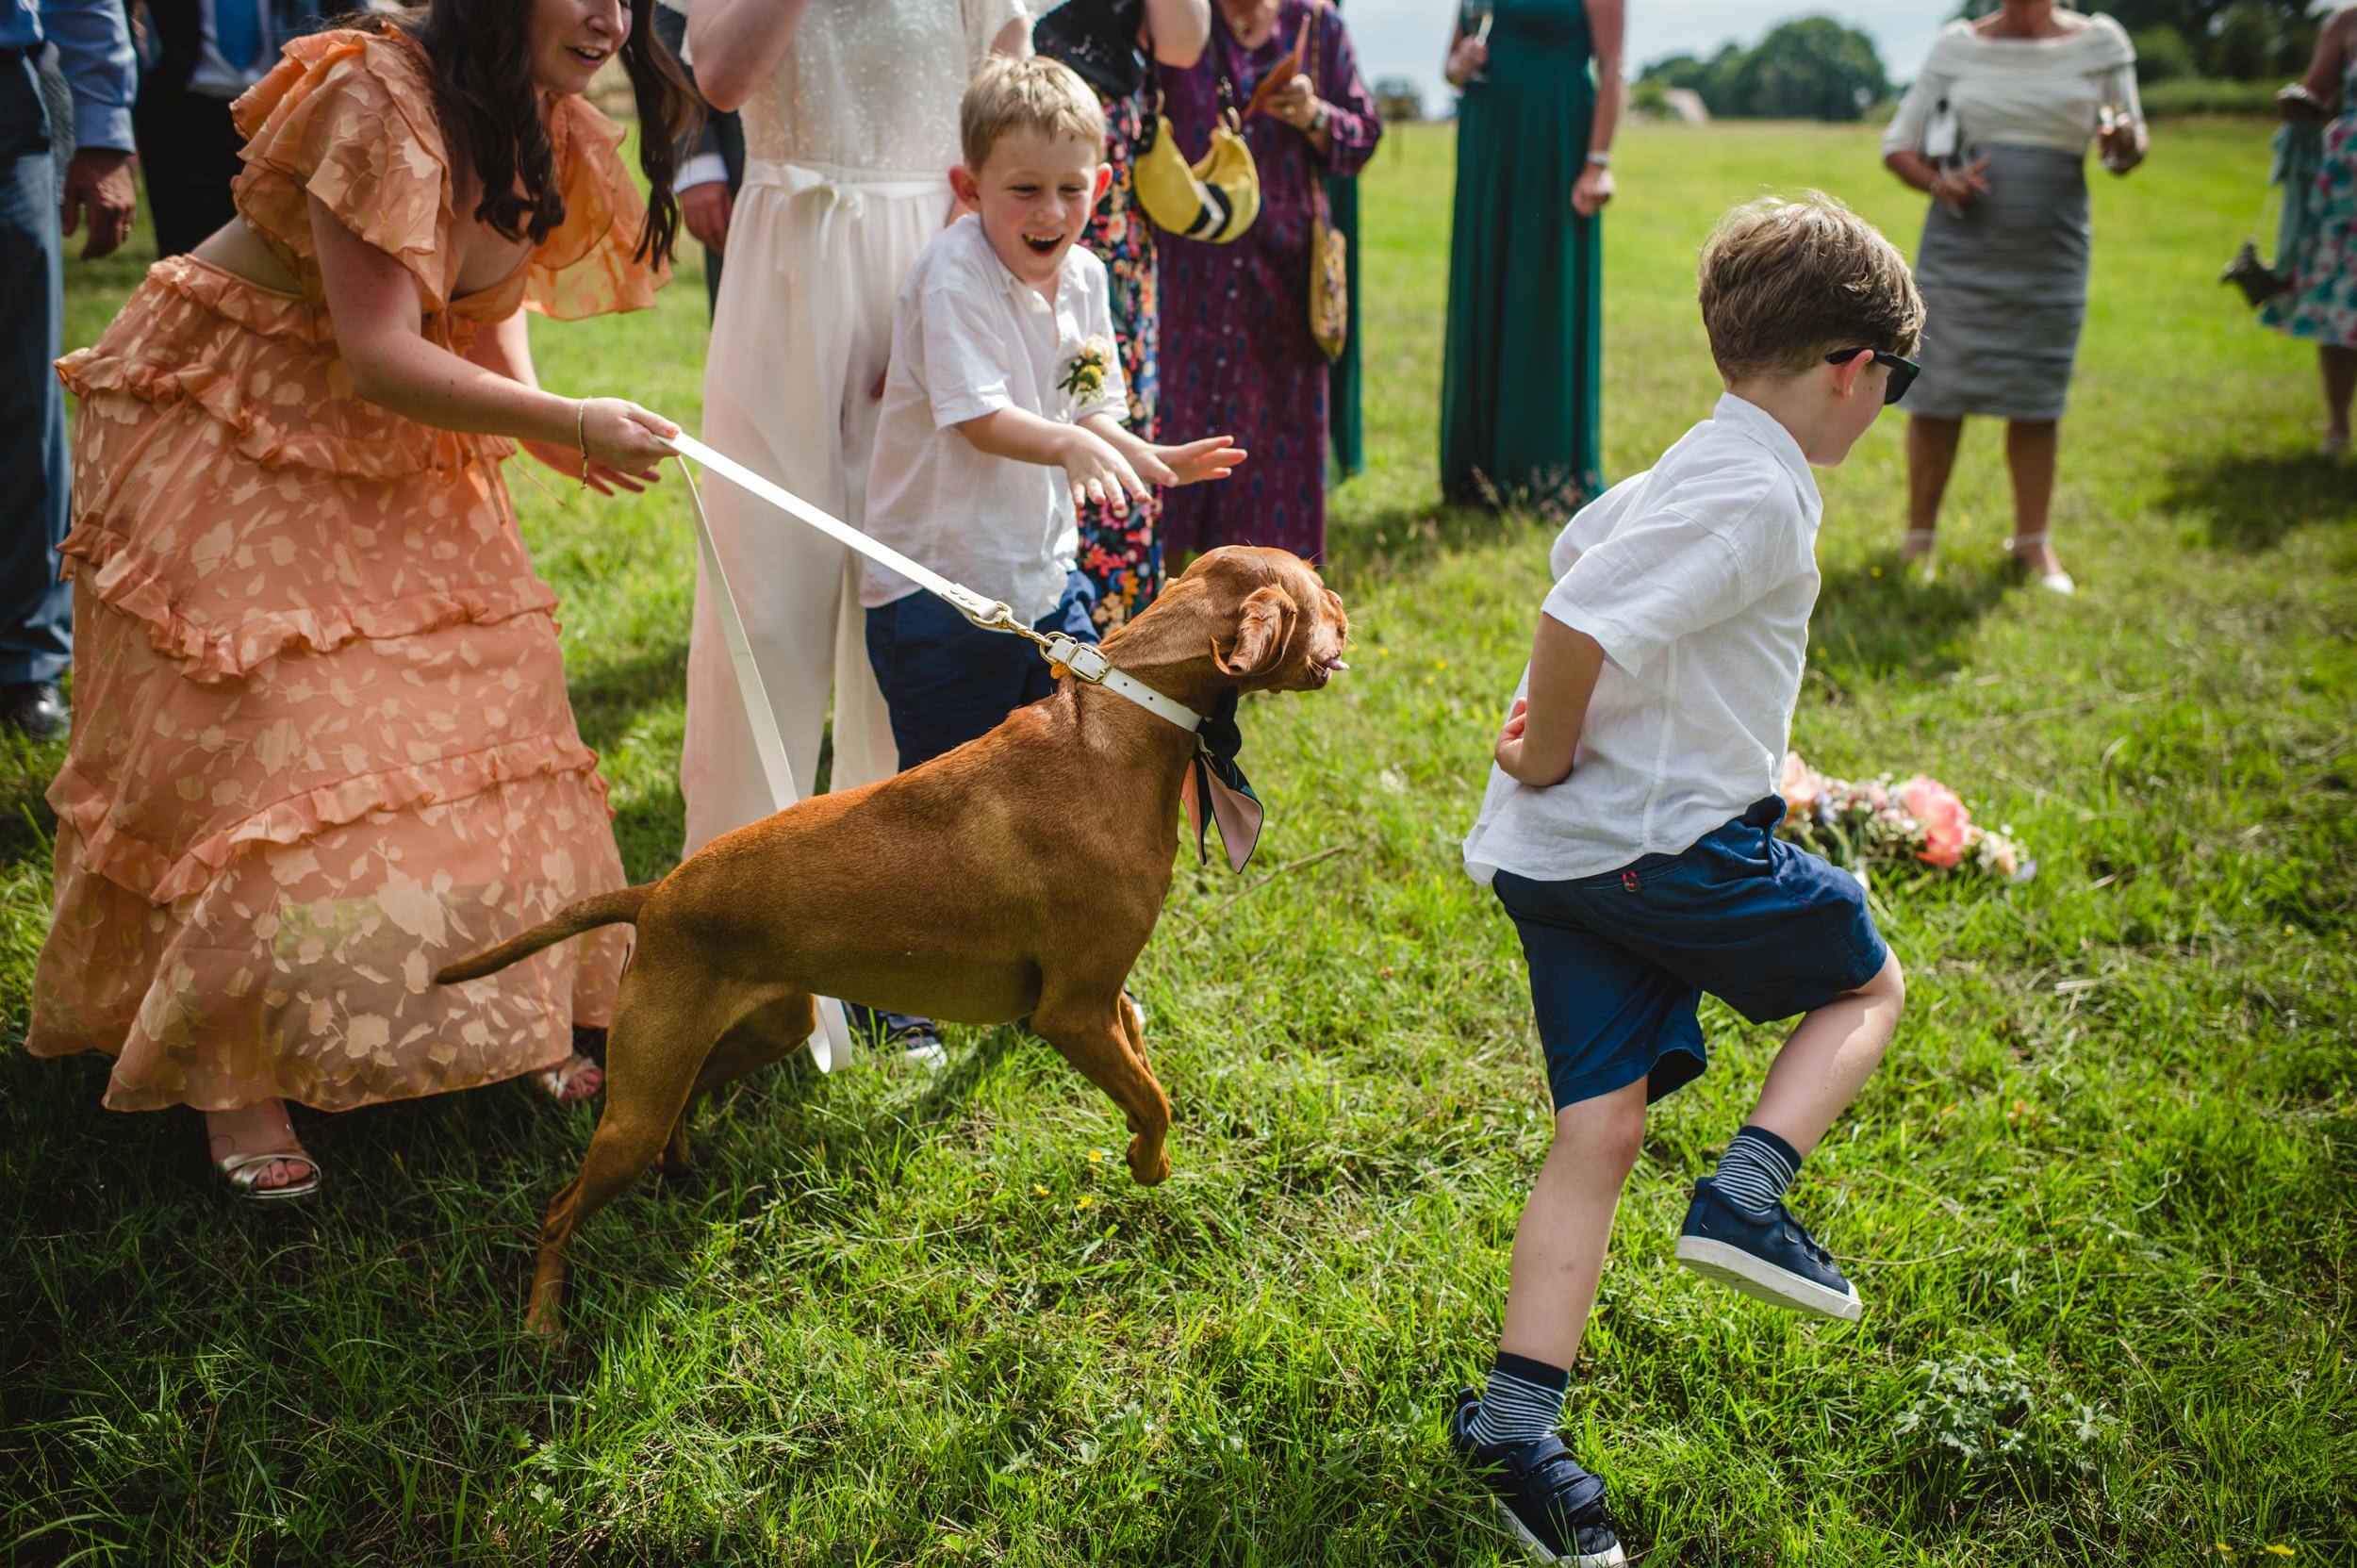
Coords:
pixel 1212 457
pixel 1098 470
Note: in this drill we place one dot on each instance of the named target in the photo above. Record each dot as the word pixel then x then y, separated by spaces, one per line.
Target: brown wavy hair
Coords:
pixel 481 51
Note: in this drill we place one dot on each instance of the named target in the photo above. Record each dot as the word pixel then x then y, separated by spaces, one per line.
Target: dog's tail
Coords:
pixel 606 909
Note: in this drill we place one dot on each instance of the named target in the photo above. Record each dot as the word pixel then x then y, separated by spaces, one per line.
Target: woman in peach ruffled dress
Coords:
pixel 321 743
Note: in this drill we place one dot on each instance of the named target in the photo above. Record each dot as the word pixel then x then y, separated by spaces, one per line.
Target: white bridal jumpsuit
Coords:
pixel 847 147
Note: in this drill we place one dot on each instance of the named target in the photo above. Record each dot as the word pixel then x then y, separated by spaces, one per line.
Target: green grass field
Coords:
pixel 2098 1199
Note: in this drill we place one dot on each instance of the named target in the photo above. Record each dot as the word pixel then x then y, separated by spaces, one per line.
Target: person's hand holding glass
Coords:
pixel 1469 52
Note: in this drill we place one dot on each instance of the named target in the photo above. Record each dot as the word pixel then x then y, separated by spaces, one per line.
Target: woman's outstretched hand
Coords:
pixel 624 443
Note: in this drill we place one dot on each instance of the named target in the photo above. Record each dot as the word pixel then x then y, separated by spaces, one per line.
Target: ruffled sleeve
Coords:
pixel 584 267
pixel 348 117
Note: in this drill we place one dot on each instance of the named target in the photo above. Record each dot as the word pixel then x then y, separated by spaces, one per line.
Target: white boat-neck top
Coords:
pixel 2022 91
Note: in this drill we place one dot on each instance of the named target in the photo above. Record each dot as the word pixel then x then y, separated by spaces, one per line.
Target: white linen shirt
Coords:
pixel 1697 578
pixel 969 339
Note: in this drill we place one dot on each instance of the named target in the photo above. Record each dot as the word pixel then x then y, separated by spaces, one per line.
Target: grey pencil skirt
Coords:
pixel 2005 286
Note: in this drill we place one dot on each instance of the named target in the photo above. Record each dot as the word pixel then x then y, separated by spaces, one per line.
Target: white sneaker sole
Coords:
pixel 1610 1557
pixel 1764 1281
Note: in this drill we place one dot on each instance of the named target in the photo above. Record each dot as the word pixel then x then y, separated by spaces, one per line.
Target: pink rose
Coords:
pixel 1943 816
pixel 1800 785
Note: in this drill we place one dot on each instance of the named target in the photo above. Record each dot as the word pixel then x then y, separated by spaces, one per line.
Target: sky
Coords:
pixel 1405 38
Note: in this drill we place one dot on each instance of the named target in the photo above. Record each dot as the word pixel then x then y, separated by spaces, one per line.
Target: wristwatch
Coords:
pixel 1601 161
pixel 1319 120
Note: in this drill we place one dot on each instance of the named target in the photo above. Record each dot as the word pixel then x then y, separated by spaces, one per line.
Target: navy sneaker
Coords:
pixel 1764 1254
pixel 1553 1507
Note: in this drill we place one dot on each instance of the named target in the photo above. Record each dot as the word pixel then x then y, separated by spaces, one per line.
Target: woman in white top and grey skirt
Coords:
pixel 1996 128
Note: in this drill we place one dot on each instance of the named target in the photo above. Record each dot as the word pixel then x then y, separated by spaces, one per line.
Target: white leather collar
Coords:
pixel 1088 663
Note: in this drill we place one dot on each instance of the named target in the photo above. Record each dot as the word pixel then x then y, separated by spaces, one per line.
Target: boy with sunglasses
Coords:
pixel 1629 831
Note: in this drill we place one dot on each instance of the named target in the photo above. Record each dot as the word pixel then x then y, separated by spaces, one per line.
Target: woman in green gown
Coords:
pixel 1519 384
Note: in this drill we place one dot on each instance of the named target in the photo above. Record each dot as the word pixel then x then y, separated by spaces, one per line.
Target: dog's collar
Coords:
pixel 1214 789
pixel 1088 663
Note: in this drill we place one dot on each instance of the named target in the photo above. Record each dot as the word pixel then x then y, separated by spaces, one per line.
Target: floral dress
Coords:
pixel 2322 305
pixel 1123 554
pixel 321 744
pixel 1238 357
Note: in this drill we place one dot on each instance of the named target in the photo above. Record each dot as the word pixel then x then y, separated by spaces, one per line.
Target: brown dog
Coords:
pixel 1026 868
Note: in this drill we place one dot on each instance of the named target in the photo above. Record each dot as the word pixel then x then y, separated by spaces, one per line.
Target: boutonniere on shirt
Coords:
pixel 1084 372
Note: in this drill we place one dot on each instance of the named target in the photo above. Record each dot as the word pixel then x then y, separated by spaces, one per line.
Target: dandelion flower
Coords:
pixel 1085 1201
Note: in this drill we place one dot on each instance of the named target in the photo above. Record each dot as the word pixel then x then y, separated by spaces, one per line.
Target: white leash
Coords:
pixel 832 1044
pixel 1081 658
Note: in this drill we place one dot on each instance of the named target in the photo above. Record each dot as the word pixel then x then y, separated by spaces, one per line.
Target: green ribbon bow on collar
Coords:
pixel 1212 776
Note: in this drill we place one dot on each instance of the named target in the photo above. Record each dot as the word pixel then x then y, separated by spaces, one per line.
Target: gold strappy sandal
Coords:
pixel 243 1172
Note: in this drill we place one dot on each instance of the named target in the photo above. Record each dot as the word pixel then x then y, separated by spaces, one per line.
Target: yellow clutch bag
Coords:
pixel 1215 200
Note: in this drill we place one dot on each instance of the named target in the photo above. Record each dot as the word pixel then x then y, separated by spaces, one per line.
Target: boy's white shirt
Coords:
pixel 969 339
pixel 1697 578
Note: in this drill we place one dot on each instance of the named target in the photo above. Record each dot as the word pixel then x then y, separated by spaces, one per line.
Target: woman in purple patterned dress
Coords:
pixel 1238 357
pixel 1106 42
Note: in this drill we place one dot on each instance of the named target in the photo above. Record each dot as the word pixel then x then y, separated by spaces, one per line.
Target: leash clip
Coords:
pixel 1084 660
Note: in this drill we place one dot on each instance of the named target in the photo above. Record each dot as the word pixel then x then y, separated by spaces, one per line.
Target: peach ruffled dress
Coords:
pixel 321 744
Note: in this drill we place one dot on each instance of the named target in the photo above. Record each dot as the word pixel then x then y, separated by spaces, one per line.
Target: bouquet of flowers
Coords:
pixel 1877 822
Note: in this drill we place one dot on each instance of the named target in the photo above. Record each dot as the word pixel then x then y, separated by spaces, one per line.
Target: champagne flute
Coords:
pixel 2108 119
pixel 1479 14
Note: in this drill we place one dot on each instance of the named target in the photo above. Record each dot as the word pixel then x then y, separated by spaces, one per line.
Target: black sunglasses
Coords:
pixel 1902 371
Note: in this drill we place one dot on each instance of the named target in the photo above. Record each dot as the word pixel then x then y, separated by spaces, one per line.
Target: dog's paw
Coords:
pixel 1151 1171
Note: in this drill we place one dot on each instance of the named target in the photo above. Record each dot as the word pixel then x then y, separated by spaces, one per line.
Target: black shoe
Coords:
pixel 1765 1255
pixel 35 708
pixel 917 1039
pixel 1557 1510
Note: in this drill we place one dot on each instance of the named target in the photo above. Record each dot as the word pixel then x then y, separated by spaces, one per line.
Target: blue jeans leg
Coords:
pixel 36 610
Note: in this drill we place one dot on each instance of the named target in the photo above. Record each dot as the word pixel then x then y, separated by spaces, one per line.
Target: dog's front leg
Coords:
pixel 1100 1036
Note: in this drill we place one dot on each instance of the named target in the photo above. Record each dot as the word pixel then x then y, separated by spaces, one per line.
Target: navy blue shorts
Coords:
pixel 1619 961
pixel 947 681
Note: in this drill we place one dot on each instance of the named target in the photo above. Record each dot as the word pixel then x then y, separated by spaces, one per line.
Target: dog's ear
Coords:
pixel 1261 625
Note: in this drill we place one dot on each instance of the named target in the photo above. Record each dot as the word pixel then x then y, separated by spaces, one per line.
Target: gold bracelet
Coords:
pixel 581 438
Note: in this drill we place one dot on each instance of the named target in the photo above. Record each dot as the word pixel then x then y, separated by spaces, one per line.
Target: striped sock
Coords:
pixel 1521 1402
pixel 1756 1169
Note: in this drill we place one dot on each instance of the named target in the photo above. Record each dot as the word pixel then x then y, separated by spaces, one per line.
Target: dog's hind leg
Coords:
pixel 770 1032
pixel 661 1033
pixel 1100 1035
